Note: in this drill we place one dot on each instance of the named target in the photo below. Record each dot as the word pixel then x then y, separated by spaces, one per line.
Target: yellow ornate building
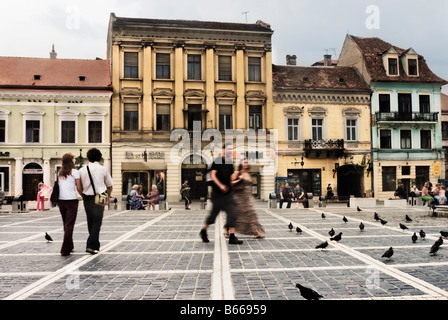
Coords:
pixel 323 119
pixel 171 76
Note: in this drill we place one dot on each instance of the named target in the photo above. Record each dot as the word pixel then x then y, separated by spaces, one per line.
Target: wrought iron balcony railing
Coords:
pixel 327 147
pixel 409 116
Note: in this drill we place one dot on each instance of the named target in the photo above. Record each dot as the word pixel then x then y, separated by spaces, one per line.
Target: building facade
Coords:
pixel 323 116
pixel 172 78
pixel 49 107
pixel 405 111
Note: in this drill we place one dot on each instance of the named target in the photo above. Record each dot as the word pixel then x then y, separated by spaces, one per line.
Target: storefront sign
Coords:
pixel 150 154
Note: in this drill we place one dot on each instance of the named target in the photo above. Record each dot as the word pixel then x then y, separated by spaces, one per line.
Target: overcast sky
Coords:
pixel 306 28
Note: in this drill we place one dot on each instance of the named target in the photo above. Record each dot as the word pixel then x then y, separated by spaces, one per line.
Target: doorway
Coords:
pixel 350 180
pixel 32 175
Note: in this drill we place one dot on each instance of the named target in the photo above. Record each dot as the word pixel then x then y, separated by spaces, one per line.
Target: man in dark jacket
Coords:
pixel 286 195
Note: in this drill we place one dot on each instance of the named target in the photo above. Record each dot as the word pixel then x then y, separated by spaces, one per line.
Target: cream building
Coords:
pixel 48 107
pixel 170 75
pixel 323 116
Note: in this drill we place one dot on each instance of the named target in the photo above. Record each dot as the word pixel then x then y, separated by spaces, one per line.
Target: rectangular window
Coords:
pixel 405 106
pixel 194 67
pixel 421 176
pixel 317 129
pixel 412 67
pixel 163 117
pixel 444 130
pixel 254 69
pixel 68 131
pixel 385 139
pixel 425 139
pixel 293 129
pixel 405 170
pixel 32 131
pixel 389 175
pixel 131 65
pixel 194 115
pixel 131 116
pixel 225 68
pixel 384 100
pixel 393 66
pixel 95 131
pixel 163 66
pixel 225 117
pixel 424 103
pixel 351 129
pixel 405 139
pixel 255 117
pixel 2 130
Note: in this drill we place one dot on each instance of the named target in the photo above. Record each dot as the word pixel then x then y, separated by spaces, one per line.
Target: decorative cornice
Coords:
pixel 322 98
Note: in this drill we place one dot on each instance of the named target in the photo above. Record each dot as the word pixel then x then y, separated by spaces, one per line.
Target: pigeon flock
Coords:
pixel 310 294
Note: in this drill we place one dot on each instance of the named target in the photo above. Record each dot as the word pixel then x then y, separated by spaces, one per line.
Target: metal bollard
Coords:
pixel 272 200
pixel 322 201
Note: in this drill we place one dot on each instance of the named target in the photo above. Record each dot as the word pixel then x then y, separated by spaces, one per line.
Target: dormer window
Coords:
pixel 412 67
pixel 36 77
pixel 390 62
pixel 393 66
pixel 82 78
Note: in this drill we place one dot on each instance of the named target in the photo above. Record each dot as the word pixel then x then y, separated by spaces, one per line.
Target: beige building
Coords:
pixel 49 107
pixel 169 76
pixel 323 117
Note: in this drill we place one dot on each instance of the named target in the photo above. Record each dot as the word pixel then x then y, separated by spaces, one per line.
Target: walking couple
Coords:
pixel 232 193
pixel 71 182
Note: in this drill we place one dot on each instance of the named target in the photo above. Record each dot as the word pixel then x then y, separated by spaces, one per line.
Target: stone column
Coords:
pixel 18 190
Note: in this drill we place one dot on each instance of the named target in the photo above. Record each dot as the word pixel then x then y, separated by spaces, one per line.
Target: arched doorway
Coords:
pixel 350 180
pixel 32 175
pixel 195 173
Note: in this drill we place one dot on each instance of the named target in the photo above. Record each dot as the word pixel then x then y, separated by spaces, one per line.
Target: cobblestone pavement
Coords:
pixel 159 256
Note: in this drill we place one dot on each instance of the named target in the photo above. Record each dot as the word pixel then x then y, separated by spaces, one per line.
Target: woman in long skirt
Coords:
pixel 247 219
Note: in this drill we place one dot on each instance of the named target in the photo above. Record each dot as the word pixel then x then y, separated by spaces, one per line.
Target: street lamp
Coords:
pixel 79 161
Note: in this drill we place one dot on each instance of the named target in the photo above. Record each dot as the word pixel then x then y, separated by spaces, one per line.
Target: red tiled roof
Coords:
pixel 20 72
pixel 318 78
pixel 373 50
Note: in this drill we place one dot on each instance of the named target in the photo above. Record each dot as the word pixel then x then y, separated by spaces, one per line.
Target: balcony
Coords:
pixel 405 117
pixel 330 148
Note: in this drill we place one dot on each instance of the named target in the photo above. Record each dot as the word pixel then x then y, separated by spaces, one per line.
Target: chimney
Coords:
pixel 53 53
pixel 327 60
pixel 291 60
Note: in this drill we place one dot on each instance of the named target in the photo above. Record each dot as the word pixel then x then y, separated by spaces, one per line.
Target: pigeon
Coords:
pixel 337 237
pixel 290 226
pixel 345 219
pixel 358 208
pixel 361 226
pixel 323 215
pixel 444 234
pixel 435 247
pixel 422 234
pixel 323 245
pixel 308 293
pixel 403 227
pixel 439 241
pixel 298 230
pixel 376 216
pixel 331 232
pixel 414 238
pixel 389 253
pixel 47 237
pixel 408 219
pixel 383 222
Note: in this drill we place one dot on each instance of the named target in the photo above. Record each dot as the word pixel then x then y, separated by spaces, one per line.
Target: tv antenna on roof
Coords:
pixel 245 13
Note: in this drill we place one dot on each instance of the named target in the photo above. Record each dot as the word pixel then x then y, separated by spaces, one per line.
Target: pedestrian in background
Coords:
pixel 69 187
pixel 185 192
pixel 136 201
pixel 153 197
pixel 102 181
pixel 40 197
